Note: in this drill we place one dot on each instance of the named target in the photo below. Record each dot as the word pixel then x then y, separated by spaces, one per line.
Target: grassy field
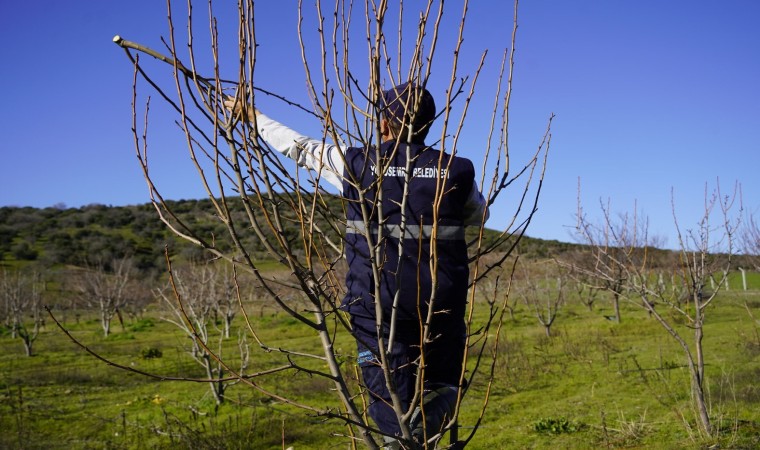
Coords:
pixel 593 384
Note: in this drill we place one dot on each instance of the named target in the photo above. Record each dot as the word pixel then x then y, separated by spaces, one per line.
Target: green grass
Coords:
pixel 736 283
pixel 593 384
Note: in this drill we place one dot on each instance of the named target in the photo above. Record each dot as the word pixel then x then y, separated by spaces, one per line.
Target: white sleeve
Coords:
pixel 325 159
pixel 476 207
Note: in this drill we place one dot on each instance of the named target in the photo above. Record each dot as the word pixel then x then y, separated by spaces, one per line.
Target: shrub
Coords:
pixel 151 353
pixel 557 425
pixel 142 325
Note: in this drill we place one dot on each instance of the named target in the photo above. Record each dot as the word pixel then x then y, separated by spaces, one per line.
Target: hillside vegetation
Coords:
pixel 59 236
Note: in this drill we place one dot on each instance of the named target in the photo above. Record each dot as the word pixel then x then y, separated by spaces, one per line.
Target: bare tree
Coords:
pixel 192 300
pixel 624 257
pixel 543 291
pixel 616 240
pixel 225 297
pixel 140 297
pixel 21 297
pixel 584 284
pixel 750 240
pixel 300 225
pixel 496 289
pixel 107 287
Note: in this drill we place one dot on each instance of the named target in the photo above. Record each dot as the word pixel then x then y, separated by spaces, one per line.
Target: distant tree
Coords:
pixel 617 239
pixel 7 234
pixel 60 298
pixel 107 287
pixel 108 245
pixel 578 270
pixel 622 262
pixel 61 248
pixel 23 251
pixel 140 297
pixel 543 291
pixel 21 297
pixel 193 301
pixel 750 240
pixel 226 299
pixel 497 288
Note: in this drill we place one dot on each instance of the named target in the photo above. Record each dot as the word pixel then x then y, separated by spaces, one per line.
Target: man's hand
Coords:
pixel 239 109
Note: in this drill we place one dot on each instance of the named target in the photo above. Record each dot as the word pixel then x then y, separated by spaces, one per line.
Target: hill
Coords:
pixel 57 236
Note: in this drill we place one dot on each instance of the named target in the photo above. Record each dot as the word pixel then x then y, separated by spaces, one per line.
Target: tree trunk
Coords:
pixel 105 322
pixel 227 325
pixel 698 378
pixel 698 391
pixel 217 387
pixel 27 345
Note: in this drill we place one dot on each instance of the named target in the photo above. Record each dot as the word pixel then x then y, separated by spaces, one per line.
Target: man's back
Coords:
pixel 423 193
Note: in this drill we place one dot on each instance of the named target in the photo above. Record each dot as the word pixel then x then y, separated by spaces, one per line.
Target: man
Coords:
pixel 399 197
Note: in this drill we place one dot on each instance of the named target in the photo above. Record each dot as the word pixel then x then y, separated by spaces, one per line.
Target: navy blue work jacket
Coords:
pixel 403 239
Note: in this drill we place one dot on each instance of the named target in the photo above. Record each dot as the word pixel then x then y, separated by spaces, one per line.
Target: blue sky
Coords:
pixel 651 98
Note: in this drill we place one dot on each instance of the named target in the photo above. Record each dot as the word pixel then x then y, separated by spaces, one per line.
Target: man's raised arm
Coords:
pixel 314 154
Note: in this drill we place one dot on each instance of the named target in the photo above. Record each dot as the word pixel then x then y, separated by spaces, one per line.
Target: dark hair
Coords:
pixel 410 107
